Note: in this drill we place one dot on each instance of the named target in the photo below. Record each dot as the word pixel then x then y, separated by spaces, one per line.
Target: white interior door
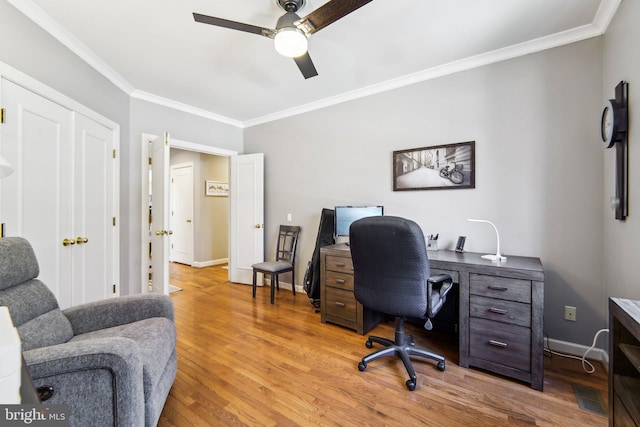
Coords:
pixel 63 195
pixel 160 214
pixel 246 223
pixel 94 210
pixel 182 200
pixel 36 198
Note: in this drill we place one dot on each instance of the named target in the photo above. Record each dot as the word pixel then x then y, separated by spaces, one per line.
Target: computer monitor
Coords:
pixel 345 215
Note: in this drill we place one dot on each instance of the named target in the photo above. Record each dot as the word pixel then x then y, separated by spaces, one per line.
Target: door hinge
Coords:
pixel 2 114
pixel 150 277
pixel 113 154
pixel 114 288
pixel 150 161
pixel 113 221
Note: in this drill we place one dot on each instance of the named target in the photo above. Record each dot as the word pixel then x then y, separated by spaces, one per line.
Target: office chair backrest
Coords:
pixel 287 242
pixel 390 265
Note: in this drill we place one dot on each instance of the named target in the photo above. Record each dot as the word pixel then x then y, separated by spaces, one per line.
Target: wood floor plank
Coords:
pixel 245 362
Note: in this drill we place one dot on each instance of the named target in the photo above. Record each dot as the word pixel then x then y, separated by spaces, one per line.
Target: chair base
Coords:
pixel 403 347
pixel 275 282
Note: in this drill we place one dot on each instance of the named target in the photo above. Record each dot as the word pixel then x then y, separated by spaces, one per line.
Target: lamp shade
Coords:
pixel 5 168
pixel 290 42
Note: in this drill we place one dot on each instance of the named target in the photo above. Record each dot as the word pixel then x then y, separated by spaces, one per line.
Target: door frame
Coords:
pixel 144 202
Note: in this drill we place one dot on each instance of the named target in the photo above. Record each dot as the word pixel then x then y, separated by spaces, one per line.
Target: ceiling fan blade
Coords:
pixel 219 22
pixel 305 64
pixel 329 13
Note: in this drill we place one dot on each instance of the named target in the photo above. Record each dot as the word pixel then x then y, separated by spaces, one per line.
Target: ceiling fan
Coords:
pixel 291 32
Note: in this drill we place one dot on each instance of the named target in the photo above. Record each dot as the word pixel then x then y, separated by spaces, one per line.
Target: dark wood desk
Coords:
pixel 500 308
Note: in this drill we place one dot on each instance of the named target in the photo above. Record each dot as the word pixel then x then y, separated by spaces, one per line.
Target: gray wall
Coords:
pixel 621 62
pixel 539 170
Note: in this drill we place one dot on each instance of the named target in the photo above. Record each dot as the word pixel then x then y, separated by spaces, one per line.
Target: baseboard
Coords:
pixel 578 350
pixel 283 285
pixel 210 263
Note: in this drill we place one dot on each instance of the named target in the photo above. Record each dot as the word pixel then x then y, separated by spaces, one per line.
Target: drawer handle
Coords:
pixel 498 343
pixel 339 264
pixel 498 310
pixel 340 304
pixel 498 288
pixel 340 281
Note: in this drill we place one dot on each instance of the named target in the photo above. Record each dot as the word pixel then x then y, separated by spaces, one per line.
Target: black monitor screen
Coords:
pixel 345 215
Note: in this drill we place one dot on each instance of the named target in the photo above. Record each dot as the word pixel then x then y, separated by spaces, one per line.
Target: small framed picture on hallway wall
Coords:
pixel 216 188
pixel 439 167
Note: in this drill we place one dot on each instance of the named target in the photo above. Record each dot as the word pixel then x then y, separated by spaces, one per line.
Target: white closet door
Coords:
pixel 93 211
pixel 63 191
pixel 37 198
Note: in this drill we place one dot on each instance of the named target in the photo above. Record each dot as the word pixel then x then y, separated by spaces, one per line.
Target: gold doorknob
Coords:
pixel 170 231
pixel 258 225
pixel 67 242
pixel 188 220
pixel 80 240
pixel 160 233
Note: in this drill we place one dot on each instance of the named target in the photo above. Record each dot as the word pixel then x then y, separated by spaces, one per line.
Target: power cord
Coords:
pixel 586 365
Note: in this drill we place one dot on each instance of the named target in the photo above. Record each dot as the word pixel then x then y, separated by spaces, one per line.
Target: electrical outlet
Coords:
pixel 569 313
pixel 289 217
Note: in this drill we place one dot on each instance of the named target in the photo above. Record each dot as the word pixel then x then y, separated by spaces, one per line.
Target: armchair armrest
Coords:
pixel 118 311
pixel 105 374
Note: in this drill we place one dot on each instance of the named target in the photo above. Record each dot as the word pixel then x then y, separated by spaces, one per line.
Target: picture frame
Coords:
pixel 216 188
pixel 438 167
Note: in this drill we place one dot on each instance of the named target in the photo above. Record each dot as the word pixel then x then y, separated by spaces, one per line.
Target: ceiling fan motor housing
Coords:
pixel 291 5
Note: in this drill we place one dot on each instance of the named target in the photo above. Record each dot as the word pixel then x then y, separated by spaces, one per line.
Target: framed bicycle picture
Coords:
pixel 439 167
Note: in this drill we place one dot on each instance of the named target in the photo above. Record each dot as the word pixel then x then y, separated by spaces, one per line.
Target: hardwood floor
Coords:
pixel 243 361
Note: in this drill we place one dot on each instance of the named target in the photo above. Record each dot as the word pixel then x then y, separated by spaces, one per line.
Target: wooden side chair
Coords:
pixel 285 260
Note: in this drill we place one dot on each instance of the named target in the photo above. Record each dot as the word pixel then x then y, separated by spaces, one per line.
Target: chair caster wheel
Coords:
pixel 411 384
pixel 440 366
pixel 368 344
pixel 362 366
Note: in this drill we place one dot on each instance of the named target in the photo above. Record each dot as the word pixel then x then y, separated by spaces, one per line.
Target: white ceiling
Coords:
pixel 154 50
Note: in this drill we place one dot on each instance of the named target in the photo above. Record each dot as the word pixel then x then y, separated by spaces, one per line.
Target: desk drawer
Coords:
pixel 454 274
pixel 500 287
pixel 508 345
pixel 341 303
pixel 338 263
pixel 516 313
pixel 339 280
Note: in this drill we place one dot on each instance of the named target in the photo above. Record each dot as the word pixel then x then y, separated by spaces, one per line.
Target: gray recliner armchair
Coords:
pixel 112 361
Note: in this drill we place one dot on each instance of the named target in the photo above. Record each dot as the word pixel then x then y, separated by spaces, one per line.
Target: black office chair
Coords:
pixel 392 276
pixel 285 260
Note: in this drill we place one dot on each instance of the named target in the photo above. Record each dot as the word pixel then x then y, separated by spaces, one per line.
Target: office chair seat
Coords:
pixel 392 275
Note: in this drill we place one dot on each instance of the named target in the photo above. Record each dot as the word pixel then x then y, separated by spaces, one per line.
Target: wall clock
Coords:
pixel 613 132
pixel 610 126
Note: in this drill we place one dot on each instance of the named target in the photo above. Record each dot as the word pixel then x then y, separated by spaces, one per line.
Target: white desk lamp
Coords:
pixel 497 256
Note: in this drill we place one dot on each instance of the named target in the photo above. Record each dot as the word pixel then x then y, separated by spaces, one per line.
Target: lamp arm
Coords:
pixel 498 256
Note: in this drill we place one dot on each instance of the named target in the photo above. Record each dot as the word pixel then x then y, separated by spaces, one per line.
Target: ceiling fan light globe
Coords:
pixel 290 42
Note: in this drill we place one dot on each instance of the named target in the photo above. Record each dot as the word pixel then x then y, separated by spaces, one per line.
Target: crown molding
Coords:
pixel 599 25
pixel 166 102
pixel 498 55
